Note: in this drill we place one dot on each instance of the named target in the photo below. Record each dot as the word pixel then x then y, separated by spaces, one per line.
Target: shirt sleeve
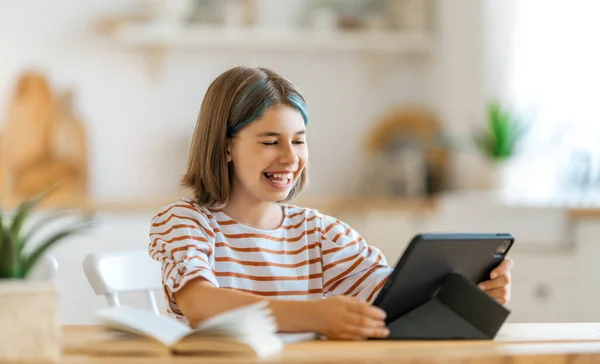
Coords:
pixel 350 266
pixel 181 238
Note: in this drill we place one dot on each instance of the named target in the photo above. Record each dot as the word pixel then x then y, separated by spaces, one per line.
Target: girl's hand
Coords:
pixel 499 285
pixel 347 318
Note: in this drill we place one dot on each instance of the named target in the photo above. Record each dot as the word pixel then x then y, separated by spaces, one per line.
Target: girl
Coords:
pixel 236 242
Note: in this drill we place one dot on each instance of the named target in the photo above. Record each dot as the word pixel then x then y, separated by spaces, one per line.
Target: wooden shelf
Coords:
pixel 152 35
pixel 589 213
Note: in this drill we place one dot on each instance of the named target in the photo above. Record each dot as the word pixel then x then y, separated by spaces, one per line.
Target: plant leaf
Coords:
pixel 36 254
pixel 2 241
pixel 500 129
pixel 39 225
pixel 502 133
pixel 5 255
pixel 494 120
pixel 23 212
pixel 9 259
pixel 10 266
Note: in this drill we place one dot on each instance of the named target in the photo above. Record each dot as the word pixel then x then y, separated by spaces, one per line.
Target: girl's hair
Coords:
pixel 234 99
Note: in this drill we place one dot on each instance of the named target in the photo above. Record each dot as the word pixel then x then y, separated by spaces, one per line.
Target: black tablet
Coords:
pixel 429 258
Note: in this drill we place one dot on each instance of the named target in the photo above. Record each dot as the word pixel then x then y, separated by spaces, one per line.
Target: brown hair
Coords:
pixel 234 99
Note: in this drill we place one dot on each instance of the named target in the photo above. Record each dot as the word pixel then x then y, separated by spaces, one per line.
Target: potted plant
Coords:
pixel 498 142
pixel 29 310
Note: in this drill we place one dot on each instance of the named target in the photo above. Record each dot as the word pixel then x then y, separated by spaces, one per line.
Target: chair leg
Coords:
pixel 153 304
pixel 113 300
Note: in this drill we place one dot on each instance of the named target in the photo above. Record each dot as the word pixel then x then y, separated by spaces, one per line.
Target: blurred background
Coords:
pixel 425 116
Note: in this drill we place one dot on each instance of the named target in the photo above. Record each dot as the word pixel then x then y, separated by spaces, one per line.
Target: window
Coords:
pixel 554 78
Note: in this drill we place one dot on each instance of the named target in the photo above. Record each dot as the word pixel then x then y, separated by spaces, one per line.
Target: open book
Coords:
pixel 249 330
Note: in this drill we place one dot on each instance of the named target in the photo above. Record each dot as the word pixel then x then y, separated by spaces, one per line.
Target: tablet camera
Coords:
pixel 502 248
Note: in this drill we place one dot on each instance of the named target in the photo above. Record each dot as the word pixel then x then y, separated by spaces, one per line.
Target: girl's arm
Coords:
pixel 337 317
pixel 199 300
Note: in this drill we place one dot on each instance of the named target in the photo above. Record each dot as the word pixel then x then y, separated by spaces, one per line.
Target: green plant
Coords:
pixel 503 131
pixel 15 261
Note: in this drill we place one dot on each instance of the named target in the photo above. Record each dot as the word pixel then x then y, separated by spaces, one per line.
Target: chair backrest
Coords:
pixel 124 271
pixel 46 268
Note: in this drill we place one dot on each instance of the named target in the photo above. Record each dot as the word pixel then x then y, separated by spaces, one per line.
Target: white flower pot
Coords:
pixel 29 317
pixel 497 175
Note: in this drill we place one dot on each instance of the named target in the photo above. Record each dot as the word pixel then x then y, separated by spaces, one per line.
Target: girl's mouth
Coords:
pixel 279 180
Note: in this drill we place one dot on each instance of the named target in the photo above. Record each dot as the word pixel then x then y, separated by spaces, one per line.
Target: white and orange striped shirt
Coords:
pixel 310 256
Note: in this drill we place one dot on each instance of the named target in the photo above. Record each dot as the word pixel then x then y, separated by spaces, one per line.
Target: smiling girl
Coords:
pixel 237 241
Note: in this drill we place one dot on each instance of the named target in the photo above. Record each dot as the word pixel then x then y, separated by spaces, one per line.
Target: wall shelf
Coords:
pixel 388 42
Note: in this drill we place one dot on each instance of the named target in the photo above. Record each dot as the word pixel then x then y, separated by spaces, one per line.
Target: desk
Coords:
pixel 516 343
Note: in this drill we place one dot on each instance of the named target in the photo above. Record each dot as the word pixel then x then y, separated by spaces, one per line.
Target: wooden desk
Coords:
pixel 516 343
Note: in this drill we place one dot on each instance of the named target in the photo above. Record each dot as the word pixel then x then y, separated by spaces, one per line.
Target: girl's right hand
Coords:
pixel 348 318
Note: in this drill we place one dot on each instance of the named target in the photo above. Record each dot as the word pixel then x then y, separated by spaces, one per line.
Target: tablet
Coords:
pixel 429 258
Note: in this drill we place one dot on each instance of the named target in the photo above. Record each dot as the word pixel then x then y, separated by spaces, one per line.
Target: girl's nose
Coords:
pixel 288 155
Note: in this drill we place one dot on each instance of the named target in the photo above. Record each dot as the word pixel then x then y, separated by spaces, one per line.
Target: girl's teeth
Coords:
pixel 281 182
pixel 282 176
pixel 279 178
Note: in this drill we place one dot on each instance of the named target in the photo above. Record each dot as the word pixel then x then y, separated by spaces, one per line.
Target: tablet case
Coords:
pixel 459 310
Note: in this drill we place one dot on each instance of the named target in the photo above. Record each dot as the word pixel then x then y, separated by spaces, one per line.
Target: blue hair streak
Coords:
pixel 300 105
pixel 295 100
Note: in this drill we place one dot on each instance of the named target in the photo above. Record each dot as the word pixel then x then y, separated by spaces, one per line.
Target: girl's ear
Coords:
pixel 228 152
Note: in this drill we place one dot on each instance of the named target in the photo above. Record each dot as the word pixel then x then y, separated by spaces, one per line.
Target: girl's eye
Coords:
pixel 275 143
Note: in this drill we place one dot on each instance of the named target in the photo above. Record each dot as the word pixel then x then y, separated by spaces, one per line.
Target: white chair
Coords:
pixel 125 271
pixel 46 268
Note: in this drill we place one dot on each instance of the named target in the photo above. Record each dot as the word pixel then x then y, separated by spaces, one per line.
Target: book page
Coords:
pixel 143 322
pixel 264 346
pixel 260 346
pixel 235 315
pixel 254 319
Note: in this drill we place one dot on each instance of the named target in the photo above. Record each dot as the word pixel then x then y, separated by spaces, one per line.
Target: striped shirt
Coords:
pixel 310 256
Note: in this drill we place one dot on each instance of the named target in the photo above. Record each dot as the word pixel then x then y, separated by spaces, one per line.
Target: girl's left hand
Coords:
pixel 499 285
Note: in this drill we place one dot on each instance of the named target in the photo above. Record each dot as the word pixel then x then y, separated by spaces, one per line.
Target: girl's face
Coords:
pixel 268 155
